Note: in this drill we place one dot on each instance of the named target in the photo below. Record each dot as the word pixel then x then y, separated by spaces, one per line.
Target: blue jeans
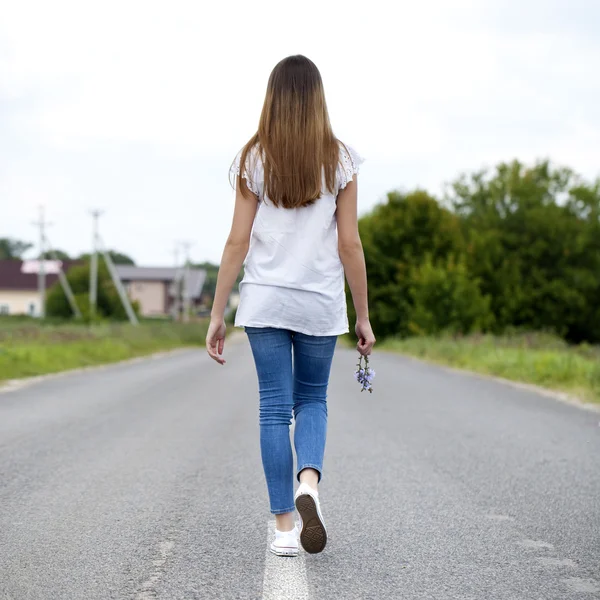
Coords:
pixel 291 383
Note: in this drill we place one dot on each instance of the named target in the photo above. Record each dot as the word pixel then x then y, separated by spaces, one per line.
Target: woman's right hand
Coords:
pixel 366 337
pixel 215 340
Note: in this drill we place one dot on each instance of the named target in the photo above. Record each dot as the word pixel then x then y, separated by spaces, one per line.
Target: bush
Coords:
pixel 108 303
pixel 445 298
pixel 518 247
pixel 398 237
pixel 533 239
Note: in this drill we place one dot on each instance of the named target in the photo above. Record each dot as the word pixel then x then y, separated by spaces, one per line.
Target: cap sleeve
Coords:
pixel 247 173
pixel 350 162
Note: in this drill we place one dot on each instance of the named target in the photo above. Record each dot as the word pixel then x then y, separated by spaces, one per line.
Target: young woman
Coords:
pixel 295 224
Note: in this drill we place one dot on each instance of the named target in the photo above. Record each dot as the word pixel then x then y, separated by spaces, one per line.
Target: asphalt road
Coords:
pixel 144 481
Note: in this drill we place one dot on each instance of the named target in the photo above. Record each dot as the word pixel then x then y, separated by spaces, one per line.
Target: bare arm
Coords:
pixel 353 260
pixel 233 257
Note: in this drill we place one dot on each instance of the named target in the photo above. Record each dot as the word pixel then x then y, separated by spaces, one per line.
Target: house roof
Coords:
pixel 134 273
pixel 196 277
pixel 21 275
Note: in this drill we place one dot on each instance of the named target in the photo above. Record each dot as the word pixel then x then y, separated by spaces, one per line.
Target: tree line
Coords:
pixel 513 247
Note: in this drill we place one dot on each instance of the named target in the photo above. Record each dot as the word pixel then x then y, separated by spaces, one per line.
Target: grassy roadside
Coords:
pixel 29 348
pixel 538 359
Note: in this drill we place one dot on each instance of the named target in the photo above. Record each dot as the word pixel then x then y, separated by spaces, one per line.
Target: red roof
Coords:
pixel 12 276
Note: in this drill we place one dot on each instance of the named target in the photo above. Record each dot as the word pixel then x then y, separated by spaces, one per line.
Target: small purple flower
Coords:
pixel 364 374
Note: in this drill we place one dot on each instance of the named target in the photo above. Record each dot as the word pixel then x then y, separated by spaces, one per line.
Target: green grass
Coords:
pixel 538 359
pixel 29 348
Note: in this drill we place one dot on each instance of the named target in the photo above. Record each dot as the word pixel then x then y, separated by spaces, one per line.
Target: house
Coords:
pixel 19 293
pixel 161 291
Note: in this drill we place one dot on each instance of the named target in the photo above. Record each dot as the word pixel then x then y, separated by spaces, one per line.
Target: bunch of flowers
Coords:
pixel 364 374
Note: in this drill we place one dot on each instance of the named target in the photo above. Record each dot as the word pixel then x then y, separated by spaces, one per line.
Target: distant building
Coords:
pixel 155 288
pixel 19 284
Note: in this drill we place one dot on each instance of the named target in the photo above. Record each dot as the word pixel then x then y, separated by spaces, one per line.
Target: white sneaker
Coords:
pixel 313 535
pixel 285 543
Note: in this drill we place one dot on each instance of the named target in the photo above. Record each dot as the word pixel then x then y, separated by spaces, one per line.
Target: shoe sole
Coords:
pixel 313 536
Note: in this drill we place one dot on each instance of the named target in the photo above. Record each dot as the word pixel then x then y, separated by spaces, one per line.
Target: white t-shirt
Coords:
pixel 293 276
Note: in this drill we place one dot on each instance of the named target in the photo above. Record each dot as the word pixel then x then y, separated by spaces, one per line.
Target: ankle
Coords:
pixel 285 522
pixel 310 477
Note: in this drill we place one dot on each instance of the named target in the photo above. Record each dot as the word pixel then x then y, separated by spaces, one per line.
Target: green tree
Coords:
pixel 108 304
pixel 117 257
pixel 398 236
pixel 59 254
pixel 518 246
pixel 13 249
pixel 445 297
pixel 534 243
pixel 210 283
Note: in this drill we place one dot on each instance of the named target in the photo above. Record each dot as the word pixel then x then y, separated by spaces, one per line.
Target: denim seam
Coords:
pixel 282 511
pixel 317 468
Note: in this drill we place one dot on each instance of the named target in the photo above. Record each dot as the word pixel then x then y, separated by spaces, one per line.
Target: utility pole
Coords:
pixel 186 282
pixel 117 281
pixel 99 246
pixel 176 282
pixel 41 266
pixel 94 265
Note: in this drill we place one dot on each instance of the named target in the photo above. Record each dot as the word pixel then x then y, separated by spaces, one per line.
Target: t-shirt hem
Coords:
pixel 296 329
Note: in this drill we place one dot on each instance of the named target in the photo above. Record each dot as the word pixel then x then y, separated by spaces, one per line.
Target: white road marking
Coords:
pixel 536 545
pixel 578 584
pixel 285 577
pixel 147 591
pixel 498 517
pixel 548 561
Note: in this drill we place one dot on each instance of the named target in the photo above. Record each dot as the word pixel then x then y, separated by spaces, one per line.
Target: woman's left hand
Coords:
pixel 215 340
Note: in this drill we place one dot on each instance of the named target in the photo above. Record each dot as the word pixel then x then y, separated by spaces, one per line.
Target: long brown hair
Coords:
pixel 294 139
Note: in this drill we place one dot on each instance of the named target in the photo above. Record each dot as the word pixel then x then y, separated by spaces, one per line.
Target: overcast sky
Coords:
pixel 138 108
